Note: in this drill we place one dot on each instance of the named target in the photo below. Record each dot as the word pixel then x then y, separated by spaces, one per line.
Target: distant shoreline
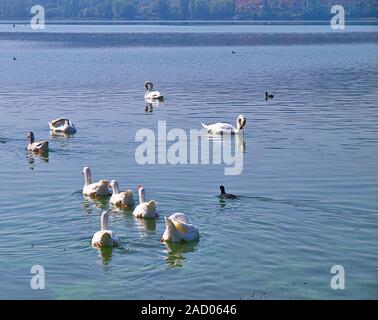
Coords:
pixel 361 21
pixel 192 39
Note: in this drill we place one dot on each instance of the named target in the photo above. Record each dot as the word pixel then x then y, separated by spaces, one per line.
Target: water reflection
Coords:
pixel 63 138
pixel 154 103
pixel 32 157
pixel 151 103
pixel 58 135
pixel 176 252
pixel 146 225
pixel 106 254
pixel 90 203
pixel 149 107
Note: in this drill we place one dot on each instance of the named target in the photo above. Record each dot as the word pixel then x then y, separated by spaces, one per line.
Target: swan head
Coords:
pixel 141 193
pixel 114 185
pixel 148 85
pixel 86 171
pixel 170 233
pixel 31 137
pixel 241 121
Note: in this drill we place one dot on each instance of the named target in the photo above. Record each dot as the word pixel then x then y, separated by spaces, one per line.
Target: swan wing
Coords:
pixel 220 128
pixel 187 232
pixel 180 217
pixel 39 146
pixel 96 189
pixel 140 210
pixel 146 210
pixel 105 238
pixel 154 95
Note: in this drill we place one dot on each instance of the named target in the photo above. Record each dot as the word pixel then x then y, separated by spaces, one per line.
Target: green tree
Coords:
pixel 199 9
pixel 163 9
pixel 184 6
pixel 124 9
pixel 221 8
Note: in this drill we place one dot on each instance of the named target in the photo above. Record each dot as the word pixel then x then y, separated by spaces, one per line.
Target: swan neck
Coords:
pixel 104 222
pixel 115 187
pixel 87 178
pixel 142 195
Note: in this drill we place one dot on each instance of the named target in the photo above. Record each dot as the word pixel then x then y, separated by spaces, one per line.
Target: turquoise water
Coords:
pixel 308 191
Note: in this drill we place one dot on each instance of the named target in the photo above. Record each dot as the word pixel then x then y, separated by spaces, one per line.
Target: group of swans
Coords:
pixel 61 125
pixel 177 229
pixel 218 128
pixel 177 225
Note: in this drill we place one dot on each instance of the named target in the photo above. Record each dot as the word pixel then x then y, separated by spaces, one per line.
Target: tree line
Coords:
pixel 189 9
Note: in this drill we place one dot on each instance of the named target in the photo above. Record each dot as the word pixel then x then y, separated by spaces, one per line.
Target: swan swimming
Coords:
pixel 105 237
pixel 152 95
pixel 37 146
pixel 226 128
pixel 98 189
pixel 145 209
pixel 178 228
pixel 121 199
pixel 62 125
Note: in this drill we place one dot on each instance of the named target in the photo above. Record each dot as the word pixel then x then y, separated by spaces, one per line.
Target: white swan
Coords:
pixel 62 125
pixel 152 95
pixel 121 199
pixel 105 237
pixel 224 128
pixel 145 209
pixel 98 189
pixel 37 146
pixel 178 228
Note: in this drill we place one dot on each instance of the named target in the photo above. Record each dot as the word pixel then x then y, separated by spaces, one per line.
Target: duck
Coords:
pixel 121 199
pixel 98 189
pixel 105 237
pixel 226 128
pixel 62 125
pixel 14 59
pixel 145 209
pixel 224 195
pixel 268 96
pixel 233 52
pixel 152 95
pixel 37 146
pixel 178 229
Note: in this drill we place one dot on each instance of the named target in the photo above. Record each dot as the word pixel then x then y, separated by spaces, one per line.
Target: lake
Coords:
pixel 308 192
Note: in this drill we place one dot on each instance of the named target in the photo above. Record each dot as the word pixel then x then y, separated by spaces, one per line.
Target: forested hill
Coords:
pixel 190 9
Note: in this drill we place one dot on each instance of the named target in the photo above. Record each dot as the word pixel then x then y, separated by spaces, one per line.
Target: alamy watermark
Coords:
pixel 37 22
pixel 193 149
pixel 338 280
pixel 338 20
pixel 37 282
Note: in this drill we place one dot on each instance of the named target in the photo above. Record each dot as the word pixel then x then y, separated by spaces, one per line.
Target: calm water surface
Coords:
pixel 308 191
